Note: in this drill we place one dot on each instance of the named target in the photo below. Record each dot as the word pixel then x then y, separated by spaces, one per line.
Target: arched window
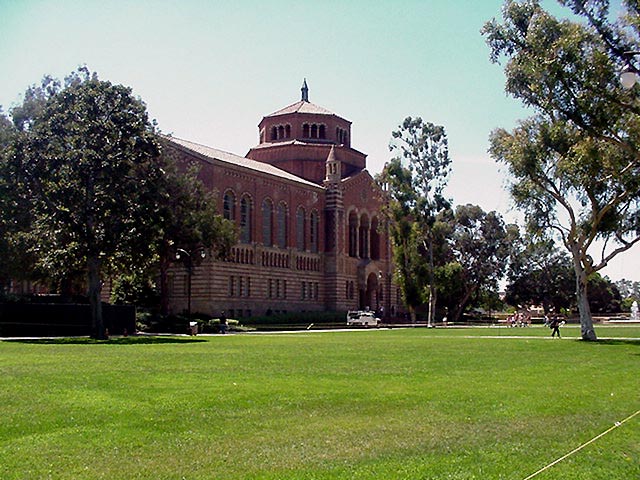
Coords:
pixel 314 131
pixel 305 130
pixel 341 136
pixel 313 231
pixel 274 133
pixel 322 132
pixel 353 234
pixel 375 239
pixel 281 219
pixel 229 205
pixel 287 131
pixel 300 229
pixel 245 219
pixel 364 236
pixel 281 132
pixel 267 223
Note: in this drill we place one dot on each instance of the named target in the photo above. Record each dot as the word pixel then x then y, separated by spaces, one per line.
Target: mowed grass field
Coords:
pixel 374 404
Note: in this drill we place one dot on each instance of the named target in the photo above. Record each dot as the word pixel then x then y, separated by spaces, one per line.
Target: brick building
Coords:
pixel 312 236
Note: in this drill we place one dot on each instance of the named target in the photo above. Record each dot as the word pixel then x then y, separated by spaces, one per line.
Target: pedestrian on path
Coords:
pixel 555 327
pixel 223 323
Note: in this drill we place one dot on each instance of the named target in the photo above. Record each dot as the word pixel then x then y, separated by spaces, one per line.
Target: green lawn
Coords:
pixel 377 404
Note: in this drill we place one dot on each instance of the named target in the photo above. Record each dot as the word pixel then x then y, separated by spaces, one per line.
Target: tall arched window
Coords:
pixel 305 130
pixel 281 131
pixel 314 131
pixel 375 239
pixel 274 133
pixel 267 223
pixel 363 235
pixel 287 131
pixel 313 231
pixel 245 219
pixel 229 205
pixel 353 234
pixel 281 219
pixel 322 132
pixel 300 229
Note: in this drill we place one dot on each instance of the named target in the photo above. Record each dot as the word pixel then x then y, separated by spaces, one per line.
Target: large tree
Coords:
pixel 480 245
pixel 6 134
pixel 86 158
pixel 16 263
pixel 576 162
pixel 189 219
pixel 540 274
pixel 415 179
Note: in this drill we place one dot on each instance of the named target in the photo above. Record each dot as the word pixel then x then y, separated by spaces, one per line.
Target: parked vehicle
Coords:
pixel 362 319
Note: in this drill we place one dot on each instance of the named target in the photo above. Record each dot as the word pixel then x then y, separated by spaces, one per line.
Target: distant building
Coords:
pixel 312 234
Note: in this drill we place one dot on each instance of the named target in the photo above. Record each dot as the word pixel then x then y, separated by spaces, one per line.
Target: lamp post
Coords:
pixel 629 76
pixel 181 254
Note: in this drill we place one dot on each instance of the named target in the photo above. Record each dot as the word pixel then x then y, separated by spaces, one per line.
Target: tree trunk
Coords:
pixel 432 305
pixel 432 286
pixel 164 285
pixel 461 304
pixel 95 303
pixel 586 321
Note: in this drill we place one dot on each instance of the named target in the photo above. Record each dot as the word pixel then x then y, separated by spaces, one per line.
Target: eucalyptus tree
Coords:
pixel 415 179
pixel 575 163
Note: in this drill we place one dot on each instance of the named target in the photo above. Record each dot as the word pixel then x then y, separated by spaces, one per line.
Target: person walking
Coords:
pixel 223 323
pixel 555 327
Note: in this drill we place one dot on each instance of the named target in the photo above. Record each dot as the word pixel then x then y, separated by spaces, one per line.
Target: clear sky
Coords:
pixel 210 70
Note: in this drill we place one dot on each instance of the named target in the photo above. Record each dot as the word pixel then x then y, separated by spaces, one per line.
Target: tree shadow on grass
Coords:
pixel 616 341
pixel 133 340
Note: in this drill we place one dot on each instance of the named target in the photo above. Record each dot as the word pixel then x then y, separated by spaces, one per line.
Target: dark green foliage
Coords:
pixel 85 160
pixel 478 250
pixel 188 219
pixel 540 274
pixel 135 289
pixel 85 193
pixel 604 296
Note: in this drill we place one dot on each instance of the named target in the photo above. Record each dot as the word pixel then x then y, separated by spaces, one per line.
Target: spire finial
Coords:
pixel 305 91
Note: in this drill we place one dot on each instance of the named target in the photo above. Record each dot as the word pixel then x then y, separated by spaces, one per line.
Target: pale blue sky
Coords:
pixel 210 70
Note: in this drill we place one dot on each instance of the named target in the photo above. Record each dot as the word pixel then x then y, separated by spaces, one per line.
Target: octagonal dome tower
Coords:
pixel 298 138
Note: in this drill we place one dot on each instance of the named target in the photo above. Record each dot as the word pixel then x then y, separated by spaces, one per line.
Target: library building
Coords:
pixel 312 235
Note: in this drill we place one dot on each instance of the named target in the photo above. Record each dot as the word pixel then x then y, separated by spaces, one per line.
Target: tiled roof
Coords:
pixel 302 107
pixel 215 154
pixel 313 143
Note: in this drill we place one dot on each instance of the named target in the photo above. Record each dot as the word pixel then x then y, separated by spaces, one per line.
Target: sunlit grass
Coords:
pixel 393 404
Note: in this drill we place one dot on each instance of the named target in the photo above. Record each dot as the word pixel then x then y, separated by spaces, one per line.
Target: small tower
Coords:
pixel 305 91
pixel 333 168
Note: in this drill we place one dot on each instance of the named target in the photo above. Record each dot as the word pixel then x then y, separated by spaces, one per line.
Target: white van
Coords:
pixel 361 318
